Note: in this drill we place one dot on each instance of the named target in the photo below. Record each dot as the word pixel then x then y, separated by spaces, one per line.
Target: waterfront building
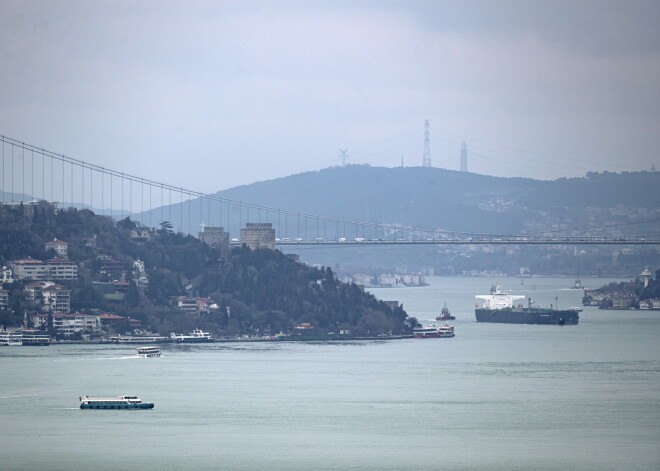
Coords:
pixel 362 279
pixel 388 280
pixel 69 324
pixel 259 235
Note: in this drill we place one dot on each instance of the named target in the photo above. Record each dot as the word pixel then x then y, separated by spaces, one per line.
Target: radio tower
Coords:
pixel 463 157
pixel 426 160
pixel 343 155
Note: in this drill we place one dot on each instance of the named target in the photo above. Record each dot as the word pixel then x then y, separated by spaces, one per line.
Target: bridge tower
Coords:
pixel 463 157
pixel 426 159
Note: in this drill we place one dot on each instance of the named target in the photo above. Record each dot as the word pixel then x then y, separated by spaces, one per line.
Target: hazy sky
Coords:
pixel 212 94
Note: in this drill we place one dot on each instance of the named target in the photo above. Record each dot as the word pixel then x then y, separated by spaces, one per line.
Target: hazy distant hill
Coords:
pixel 437 198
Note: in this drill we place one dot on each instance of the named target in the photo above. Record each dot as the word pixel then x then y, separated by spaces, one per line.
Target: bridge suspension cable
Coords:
pixel 105 186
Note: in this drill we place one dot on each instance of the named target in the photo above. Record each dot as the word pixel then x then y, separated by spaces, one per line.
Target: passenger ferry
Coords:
pixel 196 336
pixel 137 339
pixel 11 339
pixel 148 351
pixel 120 402
pixel 434 331
pixel 35 339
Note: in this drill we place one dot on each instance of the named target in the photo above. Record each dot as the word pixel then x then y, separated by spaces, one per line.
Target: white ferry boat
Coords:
pixel 11 339
pixel 137 339
pixel 434 331
pixel 35 339
pixel 196 336
pixel 148 351
pixel 120 402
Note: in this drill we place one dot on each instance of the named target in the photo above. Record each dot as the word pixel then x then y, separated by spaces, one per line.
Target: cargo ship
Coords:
pixel 498 307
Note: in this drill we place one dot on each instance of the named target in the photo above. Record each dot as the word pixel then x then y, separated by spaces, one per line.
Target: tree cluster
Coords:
pixel 257 291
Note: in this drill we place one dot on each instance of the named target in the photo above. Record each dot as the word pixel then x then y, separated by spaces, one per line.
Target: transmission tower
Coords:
pixel 344 156
pixel 426 160
pixel 463 157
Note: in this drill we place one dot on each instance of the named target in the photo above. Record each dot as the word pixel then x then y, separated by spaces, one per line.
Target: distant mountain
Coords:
pixel 431 198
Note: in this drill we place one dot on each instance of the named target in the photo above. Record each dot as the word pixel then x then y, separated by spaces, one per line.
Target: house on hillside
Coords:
pixel 59 246
pixel 4 299
pixel 53 269
pixel 55 298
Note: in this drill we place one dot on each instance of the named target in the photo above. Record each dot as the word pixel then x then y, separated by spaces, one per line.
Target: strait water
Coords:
pixel 495 397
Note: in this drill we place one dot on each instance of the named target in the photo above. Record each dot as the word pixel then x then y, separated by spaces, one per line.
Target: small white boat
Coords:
pixel 148 351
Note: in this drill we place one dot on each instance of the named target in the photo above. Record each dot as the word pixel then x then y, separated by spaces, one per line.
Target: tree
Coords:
pixel 132 298
pixel 166 227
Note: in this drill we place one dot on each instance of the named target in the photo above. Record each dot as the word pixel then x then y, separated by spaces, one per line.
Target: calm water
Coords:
pixel 494 397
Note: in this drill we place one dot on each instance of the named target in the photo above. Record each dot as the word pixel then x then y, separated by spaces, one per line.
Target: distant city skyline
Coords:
pixel 212 95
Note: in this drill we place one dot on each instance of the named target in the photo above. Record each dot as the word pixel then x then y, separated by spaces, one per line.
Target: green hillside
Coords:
pixel 260 291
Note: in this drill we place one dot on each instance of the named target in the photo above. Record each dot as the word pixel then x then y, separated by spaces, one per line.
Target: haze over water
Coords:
pixel 494 397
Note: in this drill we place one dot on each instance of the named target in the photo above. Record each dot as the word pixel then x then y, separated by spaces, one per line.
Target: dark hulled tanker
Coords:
pixel 498 307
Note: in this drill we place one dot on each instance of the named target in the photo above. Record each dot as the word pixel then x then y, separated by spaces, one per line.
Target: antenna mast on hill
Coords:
pixel 426 160
pixel 344 156
pixel 463 157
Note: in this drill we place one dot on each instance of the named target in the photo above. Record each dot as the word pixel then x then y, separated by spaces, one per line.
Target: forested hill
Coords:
pixel 437 198
pixel 256 291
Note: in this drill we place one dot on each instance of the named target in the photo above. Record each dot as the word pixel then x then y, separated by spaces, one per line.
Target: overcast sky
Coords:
pixel 209 95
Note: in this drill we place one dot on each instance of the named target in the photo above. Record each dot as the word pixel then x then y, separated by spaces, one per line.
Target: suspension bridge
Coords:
pixel 32 173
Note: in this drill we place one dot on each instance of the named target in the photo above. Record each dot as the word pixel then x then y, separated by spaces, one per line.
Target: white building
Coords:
pixel 53 269
pixel 388 280
pixel 4 299
pixel 362 279
pixel 413 279
pixel 55 298
pixel 69 324
pixel 6 275
pixel 59 246
pixel 140 274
